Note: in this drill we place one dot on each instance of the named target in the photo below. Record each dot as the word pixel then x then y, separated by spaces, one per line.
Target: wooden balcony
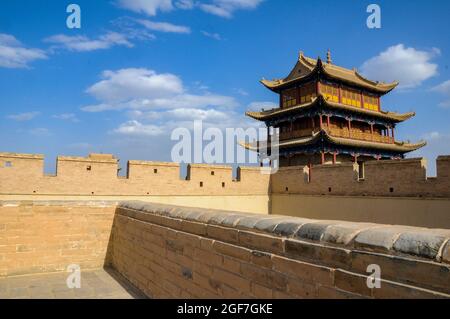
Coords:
pixel 344 133
pixel 358 135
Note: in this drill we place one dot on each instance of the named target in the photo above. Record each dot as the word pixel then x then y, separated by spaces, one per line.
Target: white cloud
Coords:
pixel 14 55
pixel 409 66
pixel 164 27
pixel 138 129
pixel 226 8
pixel 149 7
pixel 145 89
pixel 214 36
pixel 81 43
pixel 198 114
pixel 258 106
pixel 443 88
pixel 66 117
pixel 156 103
pixel 221 8
pixel 134 84
pixel 23 117
pixel 185 4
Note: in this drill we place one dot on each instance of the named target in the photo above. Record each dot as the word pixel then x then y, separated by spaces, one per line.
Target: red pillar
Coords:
pixel 328 121
pixel 321 121
pixel 334 157
pixel 323 157
pixel 362 100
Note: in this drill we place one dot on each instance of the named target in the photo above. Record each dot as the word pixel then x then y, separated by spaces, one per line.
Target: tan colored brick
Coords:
pixel 264 277
pixel 207 257
pixel 304 271
pixel 351 282
pixel 193 228
pixel 261 242
pixel 229 235
pixel 227 278
pixel 232 251
pixel 261 292
pixel 302 289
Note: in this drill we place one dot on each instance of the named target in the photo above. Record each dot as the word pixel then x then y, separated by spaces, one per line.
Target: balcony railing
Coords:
pixel 358 135
pixel 344 133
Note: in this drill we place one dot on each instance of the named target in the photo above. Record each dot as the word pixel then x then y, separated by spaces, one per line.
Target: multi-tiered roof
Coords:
pixel 319 104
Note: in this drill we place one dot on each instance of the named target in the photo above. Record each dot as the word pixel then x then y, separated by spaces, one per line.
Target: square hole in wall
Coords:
pixel 329 189
pixel 201 184
pixel 155 171
pixel 223 185
pixel 213 173
pixel 287 189
pixel 391 190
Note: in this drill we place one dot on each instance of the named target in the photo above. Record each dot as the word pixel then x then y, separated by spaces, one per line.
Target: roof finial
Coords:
pixel 329 61
pixel 300 55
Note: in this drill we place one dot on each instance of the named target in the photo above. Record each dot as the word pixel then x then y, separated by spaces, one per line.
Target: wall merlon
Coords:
pixel 92 158
pixel 21 156
pixel 151 163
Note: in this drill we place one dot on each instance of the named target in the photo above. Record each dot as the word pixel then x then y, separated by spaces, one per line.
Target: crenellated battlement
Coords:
pixel 97 174
pixel 391 178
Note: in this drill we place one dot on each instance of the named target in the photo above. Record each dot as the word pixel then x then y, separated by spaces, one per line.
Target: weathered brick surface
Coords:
pixel 48 237
pixel 175 252
pixel 236 258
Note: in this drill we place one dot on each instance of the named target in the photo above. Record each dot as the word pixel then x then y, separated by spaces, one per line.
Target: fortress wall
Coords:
pixel 395 178
pixel 389 192
pixel 96 177
pixel 176 252
pixel 43 237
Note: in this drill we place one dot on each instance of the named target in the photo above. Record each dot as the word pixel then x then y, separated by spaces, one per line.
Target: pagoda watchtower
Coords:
pixel 329 114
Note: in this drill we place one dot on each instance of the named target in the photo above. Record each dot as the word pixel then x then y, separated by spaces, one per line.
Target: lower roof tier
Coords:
pixel 320 104
pixel 325 141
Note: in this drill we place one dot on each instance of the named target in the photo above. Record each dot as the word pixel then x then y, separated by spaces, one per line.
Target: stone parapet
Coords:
pixel 286 256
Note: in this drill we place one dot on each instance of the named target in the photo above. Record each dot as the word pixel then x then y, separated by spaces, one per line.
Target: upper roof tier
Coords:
pixel 307 68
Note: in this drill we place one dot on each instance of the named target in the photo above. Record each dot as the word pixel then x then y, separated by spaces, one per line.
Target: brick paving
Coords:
pixel 97 284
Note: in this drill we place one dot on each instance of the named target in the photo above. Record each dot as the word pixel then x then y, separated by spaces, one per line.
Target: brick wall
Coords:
pixel 175 252
pixel 41 237
pixel 97 175
pixel 396 178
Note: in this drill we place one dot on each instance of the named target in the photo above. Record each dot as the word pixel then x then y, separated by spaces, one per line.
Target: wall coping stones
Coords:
pixel 429 244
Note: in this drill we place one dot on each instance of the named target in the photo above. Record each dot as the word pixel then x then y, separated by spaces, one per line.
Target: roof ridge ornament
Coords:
pixel 300 55
pixel 329 60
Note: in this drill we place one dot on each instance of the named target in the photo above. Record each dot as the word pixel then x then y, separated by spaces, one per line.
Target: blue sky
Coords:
pixel 137 69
